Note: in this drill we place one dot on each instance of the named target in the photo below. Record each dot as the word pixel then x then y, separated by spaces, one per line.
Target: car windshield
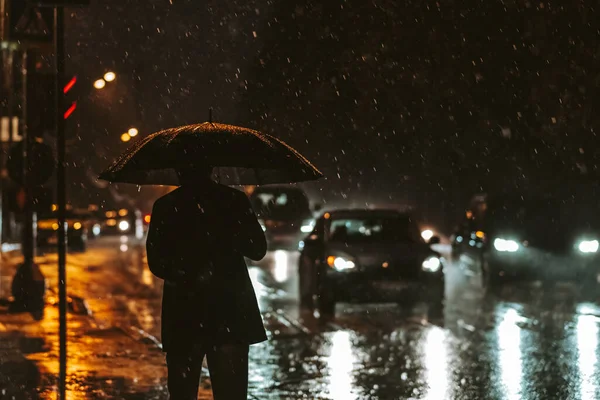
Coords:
pixel 280 204
pixel 373 229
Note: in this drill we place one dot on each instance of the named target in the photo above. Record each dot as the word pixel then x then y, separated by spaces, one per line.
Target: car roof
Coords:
pixel 365 212
pixel 278 189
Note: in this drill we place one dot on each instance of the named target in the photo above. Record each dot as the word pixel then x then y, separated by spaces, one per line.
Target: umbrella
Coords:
pixel 241 156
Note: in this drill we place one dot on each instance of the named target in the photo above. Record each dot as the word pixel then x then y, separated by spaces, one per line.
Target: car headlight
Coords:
pixel 588 246
pixel 432 264
pixel 96 229
pixel 340 263
pixel 427 234
pixel 506 245
pixel 307 226
pixel 123 225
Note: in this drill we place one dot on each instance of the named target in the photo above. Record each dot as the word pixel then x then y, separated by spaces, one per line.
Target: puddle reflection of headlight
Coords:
pixel 281 266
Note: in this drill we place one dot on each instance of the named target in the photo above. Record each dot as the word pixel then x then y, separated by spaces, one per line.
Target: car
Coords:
pixel 532 238
pixel 47 227
pixel 123 221
pixel 284 213
pixel 90 220
pixel 359 255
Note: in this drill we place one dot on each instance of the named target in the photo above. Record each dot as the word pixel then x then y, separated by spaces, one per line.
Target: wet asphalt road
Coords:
pixel 528 342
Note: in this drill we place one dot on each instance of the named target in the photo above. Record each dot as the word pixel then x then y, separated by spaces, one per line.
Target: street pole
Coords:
pixel 11 109
pixel 27 65
pixel 59 53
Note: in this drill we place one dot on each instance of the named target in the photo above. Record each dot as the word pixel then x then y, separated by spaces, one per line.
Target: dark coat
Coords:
pixel 197 241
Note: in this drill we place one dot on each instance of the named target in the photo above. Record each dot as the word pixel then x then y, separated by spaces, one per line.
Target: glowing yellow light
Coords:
pixel 385 264
pixel 125 137
pixel 327 215
pixel 111 214
pixel 330 261
pixel 480 234
pixel 147 218
pixel 55 226
pixel 111 222
pixel 133 132
pixel 123 212
pixel 54 207
pixel 469 214
pixel 100 84
pixel 77 225
pixel 110 76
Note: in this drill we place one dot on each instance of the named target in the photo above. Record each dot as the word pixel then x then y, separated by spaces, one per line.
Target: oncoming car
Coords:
pixel 368 256
pixel 535 238
pixel 123 222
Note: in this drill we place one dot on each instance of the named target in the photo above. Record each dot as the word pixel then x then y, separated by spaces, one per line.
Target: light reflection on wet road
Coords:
pixel 529 343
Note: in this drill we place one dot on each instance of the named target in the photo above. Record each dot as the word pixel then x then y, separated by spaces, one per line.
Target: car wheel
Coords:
pixel 490 280
pixel 326 304
pixel 326 300
pixel 306 283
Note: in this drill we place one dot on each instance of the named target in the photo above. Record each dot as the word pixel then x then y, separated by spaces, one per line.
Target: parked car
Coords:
pixel 47 227
pixel 284 213
pixel 532 237
pixel 368 256
pixel 90 220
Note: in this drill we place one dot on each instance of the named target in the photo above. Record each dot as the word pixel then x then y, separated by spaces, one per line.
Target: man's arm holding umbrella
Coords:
pixel 159 247
pixel 248 237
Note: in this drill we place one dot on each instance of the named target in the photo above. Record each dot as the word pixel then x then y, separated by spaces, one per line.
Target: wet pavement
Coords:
pixel 528 342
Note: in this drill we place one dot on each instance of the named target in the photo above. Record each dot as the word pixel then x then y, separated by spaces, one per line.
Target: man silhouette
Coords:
pixel 197 240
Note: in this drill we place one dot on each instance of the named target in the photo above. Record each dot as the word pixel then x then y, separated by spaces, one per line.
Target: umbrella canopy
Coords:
pixel 241 156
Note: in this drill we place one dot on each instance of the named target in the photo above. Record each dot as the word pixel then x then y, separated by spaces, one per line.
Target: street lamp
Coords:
pixel 132 132
pixel 108 77
pixel 100 84
pixel 125 137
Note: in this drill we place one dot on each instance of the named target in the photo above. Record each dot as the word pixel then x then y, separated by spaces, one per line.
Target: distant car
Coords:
pixel 47 227
pixel 532 238
pixel 368 256
pixel 123 221
pixel 284 213
pixel 90 221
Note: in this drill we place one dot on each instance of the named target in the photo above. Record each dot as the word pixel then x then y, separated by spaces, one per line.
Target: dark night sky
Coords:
pixel 394 101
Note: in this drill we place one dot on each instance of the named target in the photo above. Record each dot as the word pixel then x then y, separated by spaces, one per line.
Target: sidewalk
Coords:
pixel 103 362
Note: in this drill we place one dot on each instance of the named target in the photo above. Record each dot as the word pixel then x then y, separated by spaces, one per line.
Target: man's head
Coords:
pixel 193 175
